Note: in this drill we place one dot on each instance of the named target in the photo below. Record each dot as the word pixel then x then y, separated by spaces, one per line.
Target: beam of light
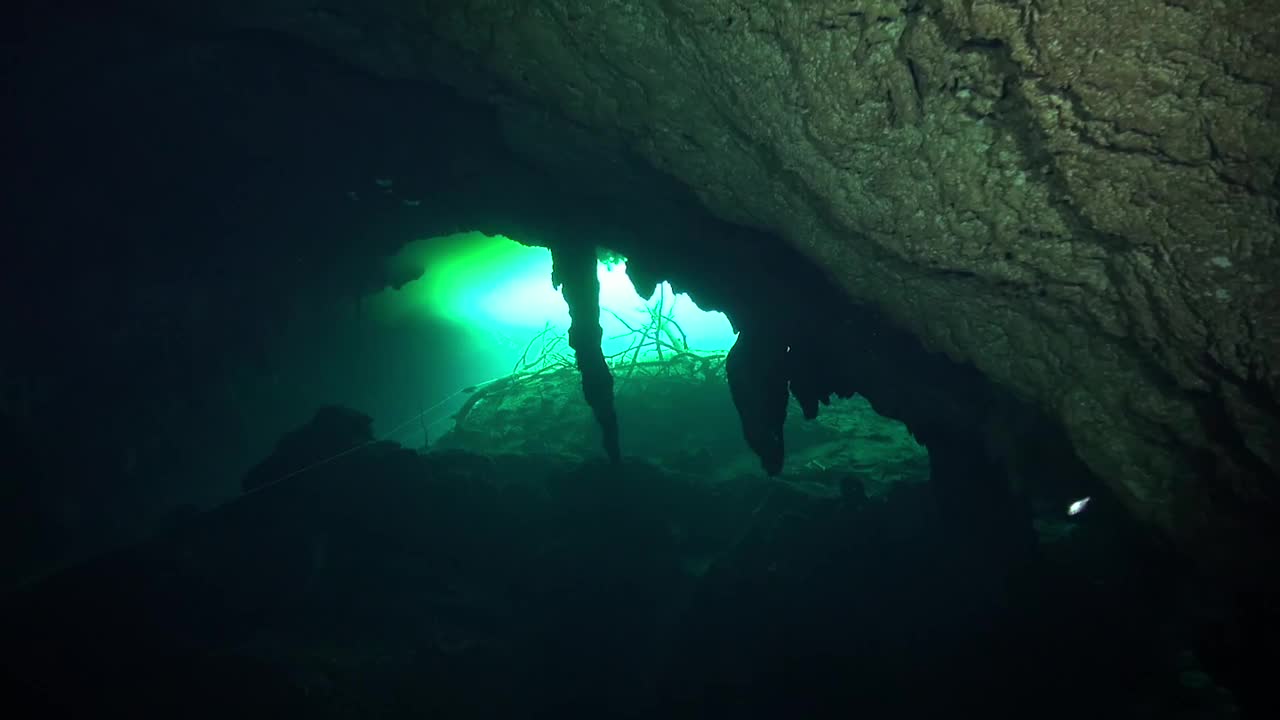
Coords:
pixel 500 292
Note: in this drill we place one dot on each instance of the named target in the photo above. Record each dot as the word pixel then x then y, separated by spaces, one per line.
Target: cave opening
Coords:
pixel 501 291
pixel 666 354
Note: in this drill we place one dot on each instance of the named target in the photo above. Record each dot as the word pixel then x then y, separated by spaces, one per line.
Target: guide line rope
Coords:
pixel 382 438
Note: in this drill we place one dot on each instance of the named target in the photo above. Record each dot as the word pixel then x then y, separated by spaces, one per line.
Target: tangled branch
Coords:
pixel 660 346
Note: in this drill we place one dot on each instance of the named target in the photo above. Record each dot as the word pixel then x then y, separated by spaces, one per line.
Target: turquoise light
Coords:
pixel 501 292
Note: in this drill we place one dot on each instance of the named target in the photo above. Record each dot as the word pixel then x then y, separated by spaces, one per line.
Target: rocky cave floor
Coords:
pixel 393 582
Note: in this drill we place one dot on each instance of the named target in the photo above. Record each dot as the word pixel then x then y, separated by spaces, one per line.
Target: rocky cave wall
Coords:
pixel 1079 199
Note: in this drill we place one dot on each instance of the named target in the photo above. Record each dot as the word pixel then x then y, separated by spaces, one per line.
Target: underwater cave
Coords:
pixel 545 359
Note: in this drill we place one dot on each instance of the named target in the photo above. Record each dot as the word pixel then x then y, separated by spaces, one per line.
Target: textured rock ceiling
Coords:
pixel 1076 197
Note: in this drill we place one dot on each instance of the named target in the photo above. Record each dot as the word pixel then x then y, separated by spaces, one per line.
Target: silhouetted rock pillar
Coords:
pixel 757 370
pixel 574 270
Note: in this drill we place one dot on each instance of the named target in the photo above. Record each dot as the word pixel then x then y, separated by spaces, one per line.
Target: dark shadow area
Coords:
pixel 391 584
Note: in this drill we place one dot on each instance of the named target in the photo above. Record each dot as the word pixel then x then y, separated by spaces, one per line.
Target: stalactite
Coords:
pixel 757 371
pixel 574 270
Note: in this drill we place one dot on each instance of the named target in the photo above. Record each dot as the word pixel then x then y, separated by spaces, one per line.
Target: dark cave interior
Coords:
pixel 179 205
